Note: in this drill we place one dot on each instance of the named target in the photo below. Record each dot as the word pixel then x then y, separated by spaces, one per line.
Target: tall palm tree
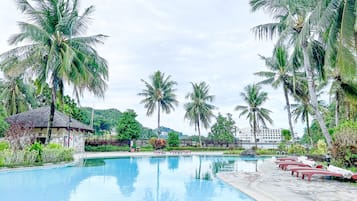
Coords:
pixel 280 74
pixel 56 53
pixel 160 93
pixel 254 98
pixel 199 110
pixel 296 21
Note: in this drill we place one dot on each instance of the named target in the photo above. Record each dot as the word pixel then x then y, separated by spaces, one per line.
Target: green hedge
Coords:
pixel 106 148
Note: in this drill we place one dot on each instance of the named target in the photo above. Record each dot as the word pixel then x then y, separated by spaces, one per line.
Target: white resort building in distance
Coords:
pixel 265 135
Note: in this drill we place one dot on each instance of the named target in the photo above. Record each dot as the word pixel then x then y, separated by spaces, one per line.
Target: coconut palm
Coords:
pixel 297 21
pixel 55 53
pixel 159 92
pixel 254 98
pixel 280 74
pixel 199 110
pixel 17 96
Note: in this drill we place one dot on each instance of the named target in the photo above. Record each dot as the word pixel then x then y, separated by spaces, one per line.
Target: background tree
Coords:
pixel 254 98
pixel 199 110
pixel 160 93
pixel 286 134
pixel 280 74
pixel 173 139
pixel 55 52
pixel 223 130
pixel 128 127
pixel 3 124
pixel 16 95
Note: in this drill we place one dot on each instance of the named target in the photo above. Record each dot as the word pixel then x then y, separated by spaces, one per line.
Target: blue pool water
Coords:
pixel 136 179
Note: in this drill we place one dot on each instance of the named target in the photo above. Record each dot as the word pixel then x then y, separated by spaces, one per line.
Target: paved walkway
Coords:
pixel 271 183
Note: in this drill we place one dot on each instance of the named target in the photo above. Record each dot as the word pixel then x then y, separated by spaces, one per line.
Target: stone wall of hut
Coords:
pixel 61 136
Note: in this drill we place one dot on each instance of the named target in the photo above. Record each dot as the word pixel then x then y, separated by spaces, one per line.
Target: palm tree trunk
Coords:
pixel 199 132
pixel 337 108
pixel 52 114
pixel 158 120
pixel 255 131
pixel 313 96
pixel 308 128
pixel 289 112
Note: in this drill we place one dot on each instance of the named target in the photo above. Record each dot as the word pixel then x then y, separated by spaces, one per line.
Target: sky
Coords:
pixel 191 40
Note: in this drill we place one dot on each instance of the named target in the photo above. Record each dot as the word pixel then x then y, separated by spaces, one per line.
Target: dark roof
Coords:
pixel 39 119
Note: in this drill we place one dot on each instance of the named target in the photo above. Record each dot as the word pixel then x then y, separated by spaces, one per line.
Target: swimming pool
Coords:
pixel 180 178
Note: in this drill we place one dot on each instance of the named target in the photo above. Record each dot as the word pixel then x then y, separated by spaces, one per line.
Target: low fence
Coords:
pixel 97 141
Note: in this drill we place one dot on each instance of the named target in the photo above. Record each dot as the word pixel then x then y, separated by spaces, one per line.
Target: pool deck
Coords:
pixel 271 183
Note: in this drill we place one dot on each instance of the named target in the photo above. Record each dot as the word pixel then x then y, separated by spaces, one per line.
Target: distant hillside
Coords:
pixel 105 121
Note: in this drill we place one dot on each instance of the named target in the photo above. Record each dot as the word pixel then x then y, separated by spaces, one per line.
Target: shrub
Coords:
pixel 38 148
pixel 297 149
pixel 10 158
pixel 266 151
pixel 157 143
pixel 345 143
pixel 173 139
pixel 4 145
pixel 282 146
pixel 321 148
pixel 54 146
pixel 106 148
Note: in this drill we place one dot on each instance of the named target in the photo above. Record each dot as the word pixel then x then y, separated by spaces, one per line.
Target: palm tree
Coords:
pixel 296 22
pixel 256 114
pixel 199 110
pixel 280 74
pixel 159 92
pixel 57 54
pixel 17 96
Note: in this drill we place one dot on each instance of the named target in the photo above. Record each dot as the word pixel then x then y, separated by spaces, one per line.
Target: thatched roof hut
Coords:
pixel 39 119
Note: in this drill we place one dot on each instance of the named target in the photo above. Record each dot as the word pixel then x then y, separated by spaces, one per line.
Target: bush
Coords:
pixel 10 158
pixel 345 143
pixel 4 145
pixel 320 149
pixel 54 146
pixel 297 149
pixel 38 148
pixel 106 148
pixel 147 148
pixel 173 139
pixel 266 151
pixel 55 155
pixel 157 143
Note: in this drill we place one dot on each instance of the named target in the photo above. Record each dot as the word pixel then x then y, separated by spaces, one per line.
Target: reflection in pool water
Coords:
pixel 135 179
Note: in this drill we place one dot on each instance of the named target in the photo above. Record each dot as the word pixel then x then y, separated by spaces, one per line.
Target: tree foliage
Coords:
pixel 3 124
pixel 199 110
pixel 159 93
pixel 173 139
pixel 224 129
pixel 55 53
pixel 128 128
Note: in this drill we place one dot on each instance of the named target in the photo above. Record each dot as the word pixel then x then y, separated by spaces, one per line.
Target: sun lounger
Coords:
pixel 310 173
pixel 297 170
pixel 286 159
pixel 284 165
pixel 330 171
